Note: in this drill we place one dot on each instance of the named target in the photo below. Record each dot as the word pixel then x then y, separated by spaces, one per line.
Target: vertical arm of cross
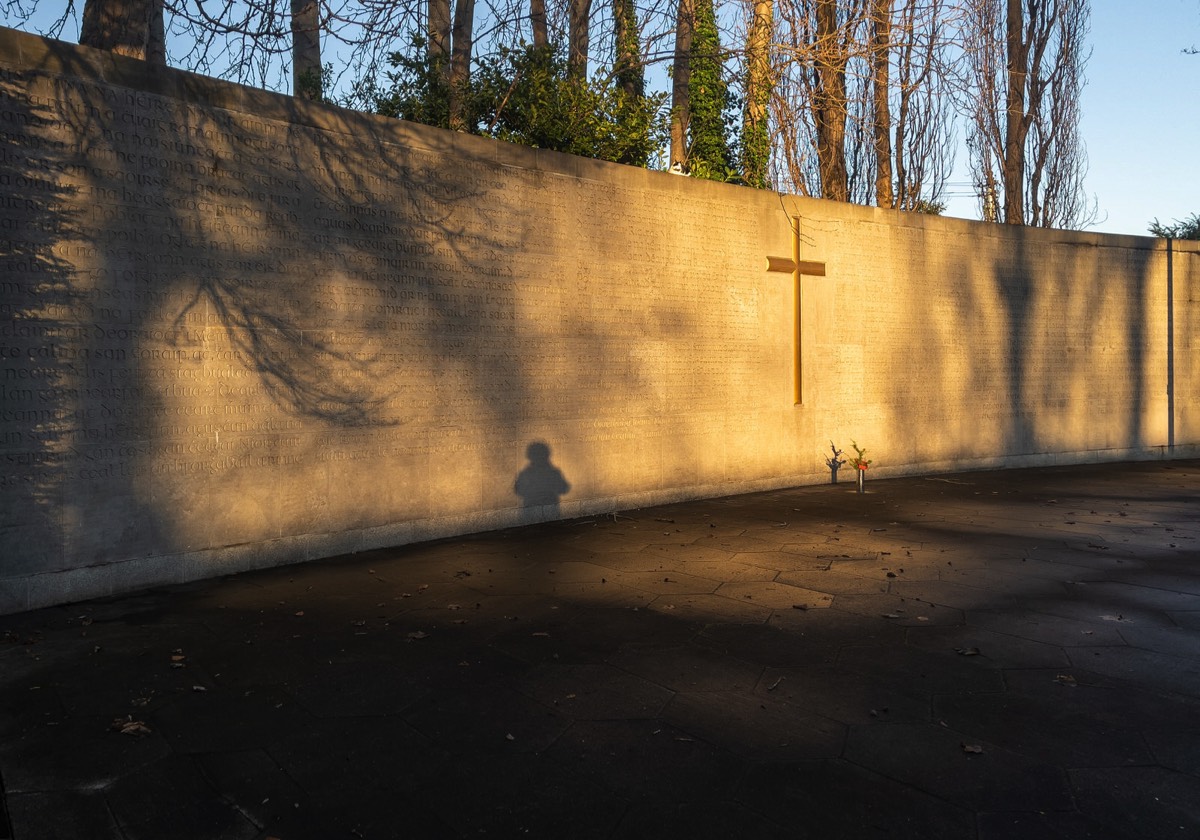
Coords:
pixel 797 268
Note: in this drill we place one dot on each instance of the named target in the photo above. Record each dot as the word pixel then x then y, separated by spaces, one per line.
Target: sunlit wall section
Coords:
pixel 241 330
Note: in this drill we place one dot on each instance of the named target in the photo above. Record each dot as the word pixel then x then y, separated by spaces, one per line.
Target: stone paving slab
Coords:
pixel 972 657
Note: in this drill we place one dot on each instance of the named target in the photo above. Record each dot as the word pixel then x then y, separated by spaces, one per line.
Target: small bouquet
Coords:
pixel 834 462
pixel 860 461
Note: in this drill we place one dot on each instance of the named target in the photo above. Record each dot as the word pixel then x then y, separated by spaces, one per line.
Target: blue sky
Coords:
pixel 1141 123
pixel 1141 117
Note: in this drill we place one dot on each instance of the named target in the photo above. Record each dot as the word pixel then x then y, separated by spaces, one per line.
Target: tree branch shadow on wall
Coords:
pixel 1051 379
pixel 180 293
pixel 1040 346
pixel 303 374
pixel 47 366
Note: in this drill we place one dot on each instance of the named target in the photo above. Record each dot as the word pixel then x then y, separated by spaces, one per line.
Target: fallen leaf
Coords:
pixel 967 651
pixel 418 634
pixel 975 749
pixel 199 688
pixel 922 618
pixel 131 727
pixel 300 612
pixel 1066 679
pixel 509 737
pixel 892 615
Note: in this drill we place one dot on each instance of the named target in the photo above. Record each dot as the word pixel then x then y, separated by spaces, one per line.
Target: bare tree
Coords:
pixel 1025 75
pixel 681 77
pixel 921 104
pixel 437 34
pixel 579 37
pixel 306 49
pixel 126 27
pixel 881 64
pixel 833 44
pixel 860 107
pixel 627 65
pixel 538 24
pixel 820 97
pixel 460 60
pixel 756 141
pixel 251 42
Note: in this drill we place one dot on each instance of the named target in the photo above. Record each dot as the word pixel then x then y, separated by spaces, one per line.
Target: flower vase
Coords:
pixel 862 478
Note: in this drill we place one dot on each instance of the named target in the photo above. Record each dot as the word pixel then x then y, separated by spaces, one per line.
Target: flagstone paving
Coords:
pixel 972 657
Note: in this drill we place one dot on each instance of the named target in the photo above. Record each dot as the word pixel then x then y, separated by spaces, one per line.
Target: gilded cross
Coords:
pixel 797 268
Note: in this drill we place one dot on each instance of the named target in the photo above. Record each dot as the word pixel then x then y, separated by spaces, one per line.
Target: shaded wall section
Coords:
pixel 240 330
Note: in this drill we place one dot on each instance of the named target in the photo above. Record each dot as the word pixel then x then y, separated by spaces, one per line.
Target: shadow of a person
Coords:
pixel 541 483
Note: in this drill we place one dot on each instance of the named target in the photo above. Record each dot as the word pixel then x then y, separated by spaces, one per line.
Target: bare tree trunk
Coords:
pixel 125 27
pixel 1059 158
pixel 881 37
pixel 306 49
pixel 756 140
pixel 537 19
pixel 579 14
pixel 1016 123
pixel 438 36
pixel 681 109
pixel 829 103
pixel 460 61
pixel 628 64
pixel 156 47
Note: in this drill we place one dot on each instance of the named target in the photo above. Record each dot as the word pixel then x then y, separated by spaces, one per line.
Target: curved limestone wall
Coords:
pixel 240 330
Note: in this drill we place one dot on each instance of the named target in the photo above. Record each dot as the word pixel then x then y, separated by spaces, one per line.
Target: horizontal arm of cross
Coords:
pixel 812 268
